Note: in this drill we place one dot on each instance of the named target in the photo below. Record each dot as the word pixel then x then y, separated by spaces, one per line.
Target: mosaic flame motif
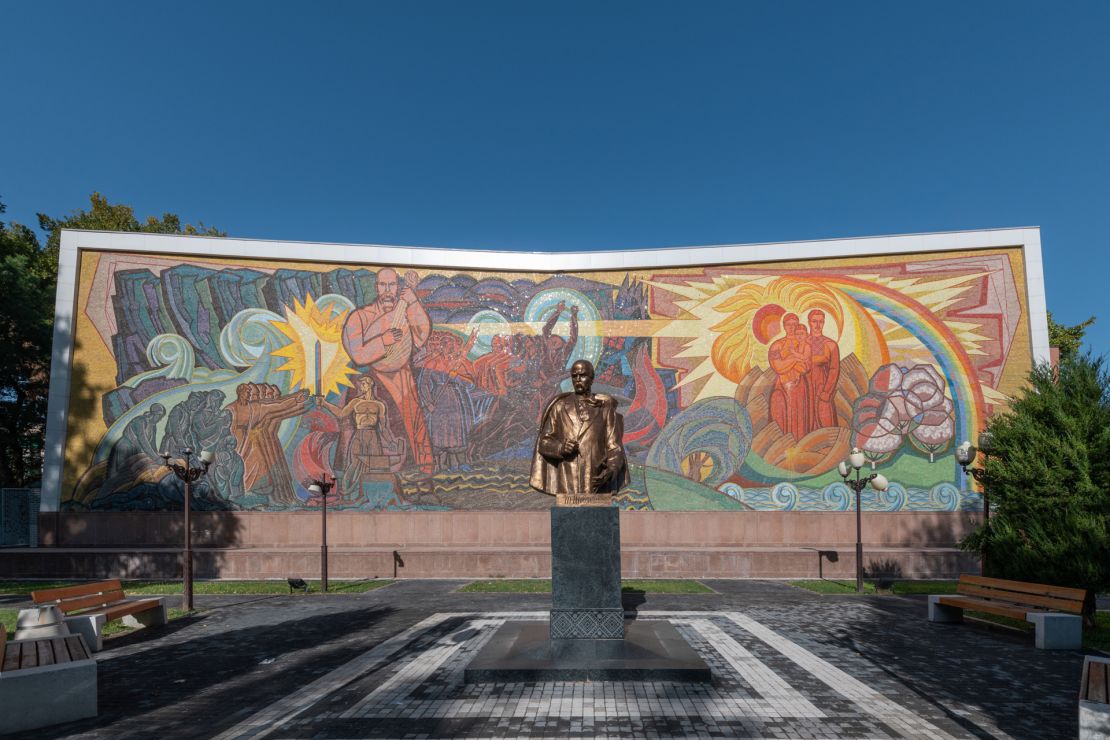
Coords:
pixel 741 387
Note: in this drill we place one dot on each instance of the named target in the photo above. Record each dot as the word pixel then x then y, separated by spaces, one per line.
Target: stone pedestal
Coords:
pixel 586 573
pixel 586 638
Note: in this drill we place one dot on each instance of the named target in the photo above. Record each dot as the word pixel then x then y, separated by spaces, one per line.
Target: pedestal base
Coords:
pixel 651 651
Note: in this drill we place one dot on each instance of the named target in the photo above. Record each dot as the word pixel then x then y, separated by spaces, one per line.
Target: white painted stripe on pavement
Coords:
pixel 782 698
pixel 865 697
pixel 267 720
pixel 418 669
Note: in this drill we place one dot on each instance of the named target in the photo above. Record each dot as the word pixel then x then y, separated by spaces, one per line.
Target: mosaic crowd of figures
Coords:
pixel 740 388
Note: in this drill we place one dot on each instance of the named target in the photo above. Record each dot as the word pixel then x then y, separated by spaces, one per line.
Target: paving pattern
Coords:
pixel 764 685
pixel 786 664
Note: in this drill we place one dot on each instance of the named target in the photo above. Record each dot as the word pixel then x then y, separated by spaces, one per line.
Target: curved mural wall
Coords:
pixel 741 386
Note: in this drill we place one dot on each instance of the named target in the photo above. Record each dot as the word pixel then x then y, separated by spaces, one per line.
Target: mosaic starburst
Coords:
pixel 315 355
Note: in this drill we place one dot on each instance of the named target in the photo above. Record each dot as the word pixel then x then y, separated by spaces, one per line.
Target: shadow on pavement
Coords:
pixel 218 678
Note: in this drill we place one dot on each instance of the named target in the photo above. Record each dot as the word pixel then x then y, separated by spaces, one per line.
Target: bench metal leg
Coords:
pixel 944 614
pixel 89 627
pixel 37 622
pixel 1057 631
pixel 148 618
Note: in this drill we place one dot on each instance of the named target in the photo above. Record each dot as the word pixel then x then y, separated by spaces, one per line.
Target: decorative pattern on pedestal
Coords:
pixel 569 624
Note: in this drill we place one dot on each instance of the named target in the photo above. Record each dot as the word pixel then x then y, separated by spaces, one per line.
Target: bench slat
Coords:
pixel 1024 587
pixel 11 657
pixel 42 652
pixel 1064 605
pixel 1097 682
pixel 61 652
pixel 45 652
pixel 115 611
pixel 1014 611
pixel 28 656
pixel 76 647
pixel 90 602
pixel 69 592
pixel 122 608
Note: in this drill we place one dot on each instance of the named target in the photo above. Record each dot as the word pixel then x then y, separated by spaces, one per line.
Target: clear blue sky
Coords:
pixel 574 126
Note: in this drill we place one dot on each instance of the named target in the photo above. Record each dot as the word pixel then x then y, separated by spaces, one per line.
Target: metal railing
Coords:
pixel 19 517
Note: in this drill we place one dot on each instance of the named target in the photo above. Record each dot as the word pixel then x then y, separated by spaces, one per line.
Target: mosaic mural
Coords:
pixel 741 386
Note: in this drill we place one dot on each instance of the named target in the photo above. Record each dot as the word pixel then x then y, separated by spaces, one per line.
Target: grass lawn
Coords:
pixel 1094 638
pixel 119 628
pixel 826 586
pixel 1098 638
pixel 543 586
pixel 8 616
pixel 238 588
pixel 898 588
pixel 904 588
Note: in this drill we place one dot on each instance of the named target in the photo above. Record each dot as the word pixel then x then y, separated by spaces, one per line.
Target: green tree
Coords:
pixel 28 276
pixel 1067 339
pixel 1048 477
pixel 103 216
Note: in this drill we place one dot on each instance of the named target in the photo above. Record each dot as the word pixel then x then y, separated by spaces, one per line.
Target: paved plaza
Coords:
pixel 389 663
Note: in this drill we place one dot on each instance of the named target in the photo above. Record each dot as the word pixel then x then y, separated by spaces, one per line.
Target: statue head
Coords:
pixel 582 376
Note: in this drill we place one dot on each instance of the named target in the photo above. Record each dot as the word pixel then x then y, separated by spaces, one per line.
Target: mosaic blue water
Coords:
pixel 839 497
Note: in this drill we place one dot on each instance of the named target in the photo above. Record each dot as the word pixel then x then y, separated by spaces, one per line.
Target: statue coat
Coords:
pixel 597 427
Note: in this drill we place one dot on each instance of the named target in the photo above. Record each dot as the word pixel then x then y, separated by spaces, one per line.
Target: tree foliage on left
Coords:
pixel 28 275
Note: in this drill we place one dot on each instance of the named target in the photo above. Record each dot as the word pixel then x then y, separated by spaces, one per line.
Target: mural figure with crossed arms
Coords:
pixel 382 336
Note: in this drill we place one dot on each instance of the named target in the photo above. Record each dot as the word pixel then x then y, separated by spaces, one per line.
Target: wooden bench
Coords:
pixel 90 606
pixel 1094 698
pixel 1056 611
pixel 45 681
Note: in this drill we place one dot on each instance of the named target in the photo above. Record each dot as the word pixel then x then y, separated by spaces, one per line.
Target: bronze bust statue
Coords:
pixel 579 457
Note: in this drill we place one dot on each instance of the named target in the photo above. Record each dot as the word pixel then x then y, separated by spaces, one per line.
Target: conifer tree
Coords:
pixel 1048 479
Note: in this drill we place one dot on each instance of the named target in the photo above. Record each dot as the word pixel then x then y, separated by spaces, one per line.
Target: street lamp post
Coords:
pixel 965 456
pixel 879 482
pixel 188 474
pixel 320 488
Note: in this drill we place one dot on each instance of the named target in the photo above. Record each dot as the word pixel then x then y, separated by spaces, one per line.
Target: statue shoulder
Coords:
pixel 555 400
pixel 606 400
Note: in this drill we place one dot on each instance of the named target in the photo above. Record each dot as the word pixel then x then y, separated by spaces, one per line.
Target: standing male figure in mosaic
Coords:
pixel 382 336
pixel 823 374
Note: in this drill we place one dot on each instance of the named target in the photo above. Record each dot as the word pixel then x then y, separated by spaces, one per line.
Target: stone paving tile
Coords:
pixel 388 664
